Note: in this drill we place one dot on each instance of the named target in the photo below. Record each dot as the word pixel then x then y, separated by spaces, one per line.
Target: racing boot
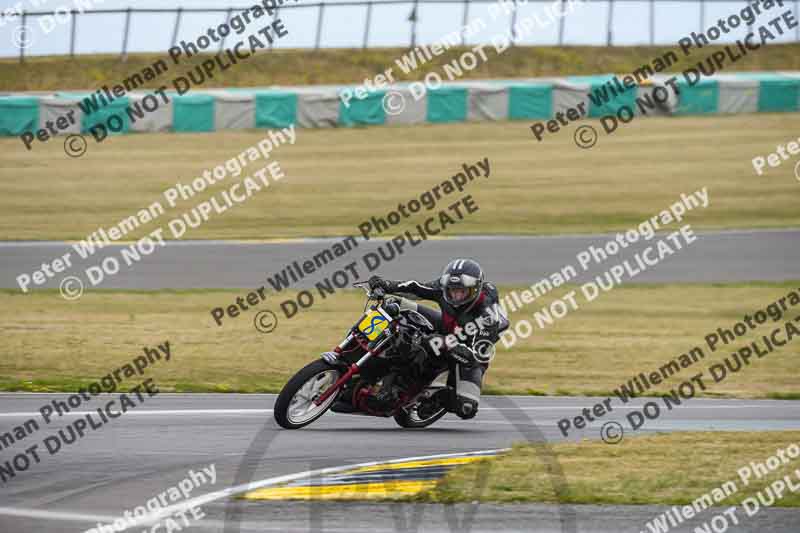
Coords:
pixel 463 407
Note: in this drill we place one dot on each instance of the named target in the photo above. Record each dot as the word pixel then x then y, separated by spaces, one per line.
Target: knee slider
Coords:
pixel 466 408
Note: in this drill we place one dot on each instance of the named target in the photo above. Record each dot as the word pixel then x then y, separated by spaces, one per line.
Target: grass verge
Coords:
pixel 52 344
pixel 347 66
pixel 337 179
pixel 666 469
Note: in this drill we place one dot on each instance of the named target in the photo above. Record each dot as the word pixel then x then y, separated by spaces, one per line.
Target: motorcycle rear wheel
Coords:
pixel 294 407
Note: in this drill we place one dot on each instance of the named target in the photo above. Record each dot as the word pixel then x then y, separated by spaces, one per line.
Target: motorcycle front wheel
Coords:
pixel 295 406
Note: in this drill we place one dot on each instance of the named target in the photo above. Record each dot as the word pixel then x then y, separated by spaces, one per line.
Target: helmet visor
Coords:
pixel 457 295
pixel 459 288
pixel 459 280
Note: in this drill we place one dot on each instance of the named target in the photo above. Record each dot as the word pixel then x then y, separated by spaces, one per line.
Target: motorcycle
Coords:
pixel 383 368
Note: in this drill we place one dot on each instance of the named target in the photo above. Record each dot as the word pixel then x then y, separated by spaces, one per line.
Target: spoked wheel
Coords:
pixel 419 415
pixel 295 406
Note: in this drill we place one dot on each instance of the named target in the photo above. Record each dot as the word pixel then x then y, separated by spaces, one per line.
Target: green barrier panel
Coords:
pixel 368 110
pixel 698 99
pixel 447 104
pixel 776 95
pixel 276 109
pixel 18 114
pixel 193 113
pixel 530 101
pixel 607 100
pixel 113 116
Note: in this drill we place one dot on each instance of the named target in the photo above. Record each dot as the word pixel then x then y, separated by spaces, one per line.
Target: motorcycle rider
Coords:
pixel 470 311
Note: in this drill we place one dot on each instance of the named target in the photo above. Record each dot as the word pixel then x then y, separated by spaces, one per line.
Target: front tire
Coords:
pixel 294 407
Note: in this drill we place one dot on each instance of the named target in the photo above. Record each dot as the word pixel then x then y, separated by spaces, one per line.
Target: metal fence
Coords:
pixel 463 6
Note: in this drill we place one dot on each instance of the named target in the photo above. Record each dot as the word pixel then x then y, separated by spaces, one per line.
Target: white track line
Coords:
pixel 55 515
pixel 155 413
pixel 220 494
pixel 555 407
pixel 266 411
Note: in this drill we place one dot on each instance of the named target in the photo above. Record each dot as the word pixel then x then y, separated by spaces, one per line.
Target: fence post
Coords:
pixel 320 16
pixel 561 23
pixel 72 33
pixel 749 25
pixel 797 14
pixel 413 18
pixel 702 15
pixel 366 24
pixel 652 22
pixel 513 25
pixel 274 18
pixel 23 37
pixel 178 14
pixel 465 21
pixel 227 21
pixel 124 56
pixel 609 38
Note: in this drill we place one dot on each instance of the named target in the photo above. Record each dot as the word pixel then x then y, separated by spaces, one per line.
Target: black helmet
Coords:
pixel 462 281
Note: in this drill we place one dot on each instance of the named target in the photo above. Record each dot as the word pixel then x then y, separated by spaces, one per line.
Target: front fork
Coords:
pixel 352 371
pixel 354 368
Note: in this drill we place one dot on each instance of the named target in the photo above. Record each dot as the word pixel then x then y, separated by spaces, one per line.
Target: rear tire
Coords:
pixel 294 408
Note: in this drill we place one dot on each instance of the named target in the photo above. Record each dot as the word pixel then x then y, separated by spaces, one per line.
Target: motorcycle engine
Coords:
pixel 383 396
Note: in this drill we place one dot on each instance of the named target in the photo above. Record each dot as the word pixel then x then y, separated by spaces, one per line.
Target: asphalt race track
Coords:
pixel 725 256
pixel 129 461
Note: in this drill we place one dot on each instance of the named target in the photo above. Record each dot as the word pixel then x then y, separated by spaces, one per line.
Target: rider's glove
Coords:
pixel 330 357
pixel 377 282
pixel 462 355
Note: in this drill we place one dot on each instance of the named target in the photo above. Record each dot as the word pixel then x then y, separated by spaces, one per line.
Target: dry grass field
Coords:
pixel 335 179
pixel 640 471
pixel 344 66
pixel 53 344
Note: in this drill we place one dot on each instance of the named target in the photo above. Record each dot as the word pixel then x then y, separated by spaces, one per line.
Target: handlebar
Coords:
pixel 376 294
